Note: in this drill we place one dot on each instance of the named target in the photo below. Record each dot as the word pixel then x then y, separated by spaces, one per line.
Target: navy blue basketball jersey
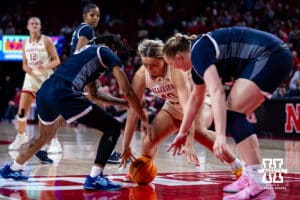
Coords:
pixel 86 65
pixel 85 30
pixel 231 49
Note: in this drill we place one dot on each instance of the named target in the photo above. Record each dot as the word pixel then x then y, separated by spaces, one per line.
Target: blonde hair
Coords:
pixel 178 43
pixel 151 48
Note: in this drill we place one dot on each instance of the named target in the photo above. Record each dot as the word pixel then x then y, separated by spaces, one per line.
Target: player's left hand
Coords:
pixel 177 143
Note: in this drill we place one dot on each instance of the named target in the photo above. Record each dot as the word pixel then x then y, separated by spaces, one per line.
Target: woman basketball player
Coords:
pixel 39 59
pixel 173 85
pixel 258 61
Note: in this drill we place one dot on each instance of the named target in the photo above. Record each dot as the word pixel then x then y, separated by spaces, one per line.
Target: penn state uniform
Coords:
pixel 85 30
pixel 240 52
pixel 36 54
pixel 164 88
pixel 62 94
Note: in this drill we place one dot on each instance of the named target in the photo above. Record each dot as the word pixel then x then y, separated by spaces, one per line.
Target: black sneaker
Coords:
pixel 42 156
pixel 114 158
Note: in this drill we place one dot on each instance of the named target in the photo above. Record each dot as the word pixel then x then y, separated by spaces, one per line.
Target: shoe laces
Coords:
pixel 102 180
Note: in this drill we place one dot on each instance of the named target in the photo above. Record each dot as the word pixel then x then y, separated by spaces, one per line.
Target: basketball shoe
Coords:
pixel 7 173
pixel 100 182
pixel 54 147
pixel 254 191
pixel 237 185
pixel 114 158
pixel 42 156
pixel 20 139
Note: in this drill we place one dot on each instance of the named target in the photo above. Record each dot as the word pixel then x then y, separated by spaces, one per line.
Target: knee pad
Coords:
pixel 21 116
pixel 22 113
pixel 238 126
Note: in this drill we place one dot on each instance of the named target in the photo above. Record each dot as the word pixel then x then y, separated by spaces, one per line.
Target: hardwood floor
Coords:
pixel 176 178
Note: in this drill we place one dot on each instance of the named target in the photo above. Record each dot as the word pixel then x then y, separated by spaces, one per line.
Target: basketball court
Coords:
pixel 175 180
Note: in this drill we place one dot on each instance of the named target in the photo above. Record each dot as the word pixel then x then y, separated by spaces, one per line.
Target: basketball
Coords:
pixel 143 170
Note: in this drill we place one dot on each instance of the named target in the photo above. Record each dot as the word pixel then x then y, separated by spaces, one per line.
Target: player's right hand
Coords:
pixel 125 155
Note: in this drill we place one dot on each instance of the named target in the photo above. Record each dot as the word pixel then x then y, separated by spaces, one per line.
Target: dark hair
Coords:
pixel 110 40
pixel 88 7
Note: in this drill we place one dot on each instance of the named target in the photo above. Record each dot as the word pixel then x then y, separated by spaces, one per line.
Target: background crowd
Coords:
pixel 151 19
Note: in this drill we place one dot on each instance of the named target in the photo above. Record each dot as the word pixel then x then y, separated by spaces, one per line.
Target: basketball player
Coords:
pixel 84 34
pixel 173 85
pixel 258 61
pixel 39 59
pixel 62 95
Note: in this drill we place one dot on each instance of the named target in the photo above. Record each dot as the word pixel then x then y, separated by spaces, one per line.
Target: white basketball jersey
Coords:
pixel 164 88
pixel 36 54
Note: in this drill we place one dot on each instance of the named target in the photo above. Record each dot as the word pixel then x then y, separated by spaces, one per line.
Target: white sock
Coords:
pixel 245 170
pixel 16 166
pixel 54 140
pixel 256 173
pixel 95 171
pixel 44 148
pixel 236 163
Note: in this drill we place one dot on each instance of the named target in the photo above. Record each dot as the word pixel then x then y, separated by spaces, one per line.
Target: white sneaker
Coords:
pixel 54 147
pixel 20 139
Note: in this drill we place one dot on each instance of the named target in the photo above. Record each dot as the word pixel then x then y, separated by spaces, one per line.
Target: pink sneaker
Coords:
pixel 237 185
pixel 253 192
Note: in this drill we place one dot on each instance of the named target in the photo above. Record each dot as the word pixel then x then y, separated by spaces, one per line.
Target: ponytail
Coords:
pixel 178 43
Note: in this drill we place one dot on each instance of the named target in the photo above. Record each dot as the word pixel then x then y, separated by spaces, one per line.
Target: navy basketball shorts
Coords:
pixel 269 71
pixel 56 98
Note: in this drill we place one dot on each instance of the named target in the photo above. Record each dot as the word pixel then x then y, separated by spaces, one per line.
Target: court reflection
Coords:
pixel 292 155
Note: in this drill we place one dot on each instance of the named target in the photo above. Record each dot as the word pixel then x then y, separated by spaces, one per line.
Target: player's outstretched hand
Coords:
pixel 220 147
pixel 190 154
pixel 125 155
pixel 177 143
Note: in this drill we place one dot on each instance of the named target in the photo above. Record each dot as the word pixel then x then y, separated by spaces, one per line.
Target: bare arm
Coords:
pixel 82 41
pixel 218 104
pixel 138 85
pixel 25 66
pixel 100 98
pixel 192 107
pixel 55 61
pixel 182 85
pixel 218 98
pixel 127 90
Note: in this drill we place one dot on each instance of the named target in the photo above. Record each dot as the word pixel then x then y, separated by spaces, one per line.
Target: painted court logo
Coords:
pixel 273 169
